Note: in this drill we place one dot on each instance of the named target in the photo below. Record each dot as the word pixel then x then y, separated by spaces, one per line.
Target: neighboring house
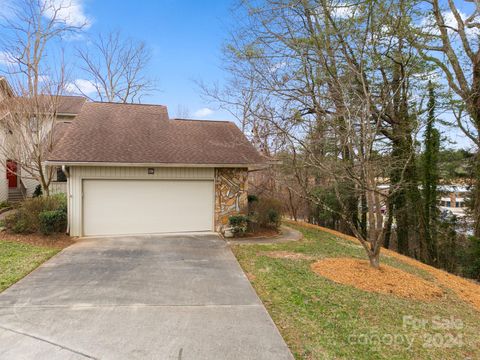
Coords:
pixel 132 170
pixel 16 183
pixel 5 93
pixel 453 199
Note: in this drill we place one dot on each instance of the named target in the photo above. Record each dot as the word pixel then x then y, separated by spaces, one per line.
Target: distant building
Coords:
pixel 453 199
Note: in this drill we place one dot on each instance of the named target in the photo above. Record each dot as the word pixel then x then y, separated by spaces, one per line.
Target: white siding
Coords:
pixel 58 188
pixel 3 174
pixel 3 169
pixel 55 186
pixel 79 173
pixel 30 184
pixel 3 188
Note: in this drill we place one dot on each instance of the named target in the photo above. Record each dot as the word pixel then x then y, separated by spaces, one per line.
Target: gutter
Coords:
pixel 158 165
pixel 67 174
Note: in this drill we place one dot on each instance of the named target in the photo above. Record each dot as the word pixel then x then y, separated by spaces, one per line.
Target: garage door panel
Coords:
pixel 112 207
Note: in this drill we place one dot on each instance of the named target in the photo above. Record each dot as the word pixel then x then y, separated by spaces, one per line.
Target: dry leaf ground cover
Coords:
pixel 386 280
pixel 466 289
pixel 323 319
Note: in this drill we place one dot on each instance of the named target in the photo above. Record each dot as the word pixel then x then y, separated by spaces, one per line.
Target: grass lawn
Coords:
pixel 321 319
pixel 18 259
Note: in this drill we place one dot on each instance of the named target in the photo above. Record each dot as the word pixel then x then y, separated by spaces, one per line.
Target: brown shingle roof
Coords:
pixel 59 130
pixel 126 133
pixel 5 86
pixel 70 104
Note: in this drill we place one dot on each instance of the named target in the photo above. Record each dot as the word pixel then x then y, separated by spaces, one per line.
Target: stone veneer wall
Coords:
pixel 230 194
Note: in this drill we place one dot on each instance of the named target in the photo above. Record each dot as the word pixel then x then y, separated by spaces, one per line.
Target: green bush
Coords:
pixel 27 217
pixel 38 191
pixel 20 226
pixel 326 208
pixel 238 223
pixel 4 204
pixel 252 198
pixel 62 202
pixel 273 217
pixel 472 266
pixel 266 213
pixel 52 221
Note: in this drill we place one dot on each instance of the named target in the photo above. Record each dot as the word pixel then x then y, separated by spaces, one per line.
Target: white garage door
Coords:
pixel 113 207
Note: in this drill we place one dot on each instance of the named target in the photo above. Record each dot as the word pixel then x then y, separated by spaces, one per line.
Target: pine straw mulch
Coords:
pixel 465 289
pixel 386 280
pixel 58 241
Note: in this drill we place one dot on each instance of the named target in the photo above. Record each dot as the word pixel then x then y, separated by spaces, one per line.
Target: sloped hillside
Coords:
pixel 327 306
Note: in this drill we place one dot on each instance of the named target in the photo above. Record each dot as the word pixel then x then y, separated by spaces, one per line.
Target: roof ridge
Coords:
pixel 72 96
pixel 58 95
pixel 205 120
pixel 119 103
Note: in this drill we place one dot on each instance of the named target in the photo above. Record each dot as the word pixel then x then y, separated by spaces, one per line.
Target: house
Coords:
pixel 130 169
pixel 17 183
pixel 5 93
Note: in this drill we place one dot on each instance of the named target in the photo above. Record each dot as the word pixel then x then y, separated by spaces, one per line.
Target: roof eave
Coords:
pixel 126 164
pixel 66 114
pixel 7 86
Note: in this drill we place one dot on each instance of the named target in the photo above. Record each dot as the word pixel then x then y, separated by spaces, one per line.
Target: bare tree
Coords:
pixel 183 112
pixel 30 135
pixel 33 30
pixel 117 68
pixel 321 80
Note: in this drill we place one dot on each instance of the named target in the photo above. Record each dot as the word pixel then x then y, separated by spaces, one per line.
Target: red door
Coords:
pixel 12 173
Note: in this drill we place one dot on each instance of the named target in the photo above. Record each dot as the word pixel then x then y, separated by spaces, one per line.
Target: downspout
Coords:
pixel 67 175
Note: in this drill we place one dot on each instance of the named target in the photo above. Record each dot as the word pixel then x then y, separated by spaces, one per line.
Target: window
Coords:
pixel 61 175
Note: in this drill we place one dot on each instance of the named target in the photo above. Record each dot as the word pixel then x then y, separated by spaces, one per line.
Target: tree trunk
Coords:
pixel 476 196
pixel 363 218
pixel 430 182
pixel 399 200
pixel 293 209
pixel 475 114
pixel 388 227
pixel 374 260
pixel 405 207
pixel 351 200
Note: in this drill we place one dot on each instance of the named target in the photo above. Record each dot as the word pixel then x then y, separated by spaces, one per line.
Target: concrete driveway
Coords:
pixel 152 297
